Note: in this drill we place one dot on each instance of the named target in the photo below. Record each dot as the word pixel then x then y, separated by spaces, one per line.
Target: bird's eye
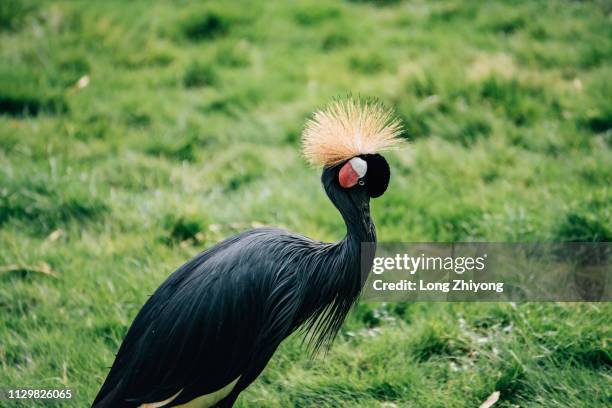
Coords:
pixel 361 182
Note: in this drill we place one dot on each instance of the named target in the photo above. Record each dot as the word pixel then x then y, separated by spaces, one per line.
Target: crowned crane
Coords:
pixel 210 329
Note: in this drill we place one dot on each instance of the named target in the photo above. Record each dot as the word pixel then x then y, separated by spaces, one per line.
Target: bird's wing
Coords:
pixel 199 330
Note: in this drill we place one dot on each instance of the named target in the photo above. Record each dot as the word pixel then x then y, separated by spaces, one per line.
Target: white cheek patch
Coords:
pixel 359 165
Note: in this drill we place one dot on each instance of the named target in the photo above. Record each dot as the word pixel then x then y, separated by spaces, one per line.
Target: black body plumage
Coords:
pixel 222 315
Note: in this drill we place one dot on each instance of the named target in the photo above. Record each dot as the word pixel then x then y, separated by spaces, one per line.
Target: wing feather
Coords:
pixel 199 331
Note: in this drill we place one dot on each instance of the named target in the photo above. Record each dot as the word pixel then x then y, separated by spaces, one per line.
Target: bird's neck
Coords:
pixel 356 249
pixel 359 225
pixel 350 259
pixel 355 211
pixel 337 274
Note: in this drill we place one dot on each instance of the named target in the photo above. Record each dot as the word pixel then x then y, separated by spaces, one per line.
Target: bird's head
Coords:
pixel 345 138
pixel 368 171
pixel 357 179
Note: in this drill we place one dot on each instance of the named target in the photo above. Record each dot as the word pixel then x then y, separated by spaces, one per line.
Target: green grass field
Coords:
pixel 135 134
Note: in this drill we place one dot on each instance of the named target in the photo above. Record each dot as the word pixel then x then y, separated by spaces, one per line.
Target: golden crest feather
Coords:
pixel 348 128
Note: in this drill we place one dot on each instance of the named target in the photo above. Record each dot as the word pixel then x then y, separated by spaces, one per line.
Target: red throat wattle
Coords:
pixel 348 177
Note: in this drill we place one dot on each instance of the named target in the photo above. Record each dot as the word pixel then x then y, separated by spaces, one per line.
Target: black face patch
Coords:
pixel 377 176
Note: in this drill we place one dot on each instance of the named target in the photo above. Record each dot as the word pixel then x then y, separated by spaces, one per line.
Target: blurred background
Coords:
pixel 135 134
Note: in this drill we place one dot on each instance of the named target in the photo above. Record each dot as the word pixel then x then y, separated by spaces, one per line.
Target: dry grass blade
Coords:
pixel 41 267
pixel 55 235
pixel 489 402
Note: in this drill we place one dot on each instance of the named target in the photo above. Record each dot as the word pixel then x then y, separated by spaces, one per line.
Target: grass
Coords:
pixel 188 132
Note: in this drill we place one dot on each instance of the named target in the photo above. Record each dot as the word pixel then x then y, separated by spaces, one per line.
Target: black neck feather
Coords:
pixel 338 270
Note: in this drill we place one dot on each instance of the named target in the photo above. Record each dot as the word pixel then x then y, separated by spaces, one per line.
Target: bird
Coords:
pixel 213 325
